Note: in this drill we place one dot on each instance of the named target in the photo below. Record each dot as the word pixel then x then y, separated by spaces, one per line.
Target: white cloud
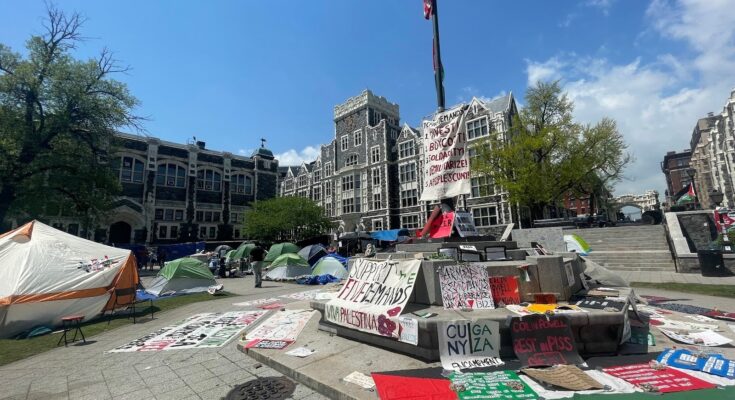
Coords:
pixel 656 104
pixel 294 157
pixel 603 5
pixel 245 152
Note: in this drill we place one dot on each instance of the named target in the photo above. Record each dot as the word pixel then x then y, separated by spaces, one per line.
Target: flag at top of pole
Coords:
pixel 431 12
pixel 428 10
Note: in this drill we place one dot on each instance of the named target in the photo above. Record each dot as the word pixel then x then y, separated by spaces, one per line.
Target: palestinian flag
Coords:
pixel 687 197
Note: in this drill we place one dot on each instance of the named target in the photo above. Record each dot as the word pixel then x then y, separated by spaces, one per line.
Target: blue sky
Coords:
pixel 231 72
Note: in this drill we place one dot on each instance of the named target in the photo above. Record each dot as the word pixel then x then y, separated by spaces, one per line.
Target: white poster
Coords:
pixel 373 296
pixel 704 338
pixel 469 344
pixel 465 286
pixel 283 325
pixel 409 330
pixel 446 163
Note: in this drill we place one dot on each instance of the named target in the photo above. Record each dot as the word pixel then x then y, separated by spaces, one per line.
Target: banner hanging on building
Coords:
pixel 373 296
pixel 446 162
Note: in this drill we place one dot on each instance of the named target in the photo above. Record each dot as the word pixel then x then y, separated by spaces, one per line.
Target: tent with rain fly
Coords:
pixel 288 266
pixel 576 244
pixel 47 274
pixel 278 249
pixel 185 275
pixel 330 265
pixel 313 253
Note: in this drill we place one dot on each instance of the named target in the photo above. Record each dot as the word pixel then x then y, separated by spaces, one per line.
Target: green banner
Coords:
pixel 505 385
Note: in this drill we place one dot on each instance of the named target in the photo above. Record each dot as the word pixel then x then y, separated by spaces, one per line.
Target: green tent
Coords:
pixel 228 256
pixel 288 266
pixel 243 251
pixel 289 260
pixel 184 275
pixel 330 266
pixel 280 248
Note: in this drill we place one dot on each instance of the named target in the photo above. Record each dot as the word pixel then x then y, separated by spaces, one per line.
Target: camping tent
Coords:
pixel 577 244
pixel 185 275
pixel 47 274
pixel 330 265
pixel 313 253
pixel 288 266
pixel 278 249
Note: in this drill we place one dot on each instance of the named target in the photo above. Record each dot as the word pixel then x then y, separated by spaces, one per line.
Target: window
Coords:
pixel 171 175
pixel 159 213
pixel 376 176
pixel 234 219
pixel 179 215
pixel 358 138
pixel 345 142
pixel 173 232
pixel 202 232
pixel 348 205
pixel 377 224
pixel 208 179
pixel 131 170
pixel 351 160
pixel 212 232
pixel 406 149
pixel 328 189
pixel 407 172
pixel 477 128
pixel 328 169
pixel 169 215
pixel 375 154
pixel 317 195
pixel 410 221
pixel 409 198
pixel 200 216
pixel 328 210
pixel 163 231
pixel 302 180
pixel 485 216
pixel 482 186
pixel 237 233
pixel 317 176
pixel 376 201
pixel 348 183
pixel 242 184
pixel 215 216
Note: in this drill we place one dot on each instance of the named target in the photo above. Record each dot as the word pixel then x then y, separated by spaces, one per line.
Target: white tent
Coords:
pixel 47 274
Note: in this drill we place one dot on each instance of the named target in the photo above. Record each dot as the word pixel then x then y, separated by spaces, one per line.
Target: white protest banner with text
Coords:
pixel 469 344
pixel 373 296
pixel 465 286
pixel 446 163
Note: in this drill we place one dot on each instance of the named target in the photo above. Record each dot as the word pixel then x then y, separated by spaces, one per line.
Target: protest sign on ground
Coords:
pixel 446 160
pixel 373 296
pixel 540 340
pixel 465 286
pixel 282 326
pixel 469 344
pixel 409 330
pixel 491 385
pixel 564 376
pixel 704 338
pixel 661 380
pixel 256 302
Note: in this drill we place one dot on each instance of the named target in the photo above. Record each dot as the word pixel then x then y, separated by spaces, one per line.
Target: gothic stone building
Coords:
pixel 370 176
pixel 181 192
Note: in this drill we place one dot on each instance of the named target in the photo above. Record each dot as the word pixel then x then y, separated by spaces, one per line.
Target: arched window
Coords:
pixel 131 170
pixel 171 175
pixel 208 179
pixel 242 184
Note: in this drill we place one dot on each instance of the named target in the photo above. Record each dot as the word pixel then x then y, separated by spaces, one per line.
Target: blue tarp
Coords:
pixel 317 280
pixel 337 257
pixel 175 251
pixel 389 235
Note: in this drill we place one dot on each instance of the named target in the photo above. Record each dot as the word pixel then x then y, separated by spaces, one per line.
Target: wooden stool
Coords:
pixel 72 322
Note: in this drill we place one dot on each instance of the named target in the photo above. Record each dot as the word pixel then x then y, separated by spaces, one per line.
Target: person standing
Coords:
pixel 257 255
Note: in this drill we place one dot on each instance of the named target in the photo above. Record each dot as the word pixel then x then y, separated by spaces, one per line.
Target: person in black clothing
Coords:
pixel 257 255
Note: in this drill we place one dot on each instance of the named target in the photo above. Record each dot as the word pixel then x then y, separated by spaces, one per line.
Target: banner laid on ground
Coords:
pixel 374 296
pixel 198 331
pixel 446 162
pixel 256 302
pixel 661 380
pixel 465 286
pixel 469 344
pixel 541 340
pixel 281 328
pixel 307 295
pixel 491 385
pixel 714 364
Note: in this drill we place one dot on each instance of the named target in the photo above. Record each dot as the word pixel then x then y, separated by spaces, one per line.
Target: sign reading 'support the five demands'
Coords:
pixel 447 164
pixel 373 296
pixel 469 344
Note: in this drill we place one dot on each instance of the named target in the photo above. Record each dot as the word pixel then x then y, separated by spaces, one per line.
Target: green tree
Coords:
pixel 546 154
pixel 285 218
pixel 58 116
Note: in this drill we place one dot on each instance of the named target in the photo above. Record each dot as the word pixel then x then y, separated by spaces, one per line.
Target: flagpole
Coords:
pixel 439 68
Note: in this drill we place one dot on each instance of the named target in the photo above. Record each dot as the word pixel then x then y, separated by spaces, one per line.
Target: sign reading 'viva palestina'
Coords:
pixel 446 164
pixel 373 296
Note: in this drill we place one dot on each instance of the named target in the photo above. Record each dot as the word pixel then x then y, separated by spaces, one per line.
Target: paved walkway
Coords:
pixel 670 276
pixel 87 372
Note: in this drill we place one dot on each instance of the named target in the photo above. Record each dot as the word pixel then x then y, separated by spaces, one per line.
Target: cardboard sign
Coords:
pixel 564 376
pixel 504 385
pixel 409 330
pixel 469 344
pixel 464 223
pixel 442 226
pixel 540 340
pixel 446 162
pixel 505 289
pixel 374 296
pixel 267 344
pixel 662 380
pixel 465 286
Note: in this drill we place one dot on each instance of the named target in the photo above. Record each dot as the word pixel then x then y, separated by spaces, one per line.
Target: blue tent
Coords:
pixel 389 235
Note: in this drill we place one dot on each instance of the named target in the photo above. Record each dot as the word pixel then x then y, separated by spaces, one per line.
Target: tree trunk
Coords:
pixel 6 197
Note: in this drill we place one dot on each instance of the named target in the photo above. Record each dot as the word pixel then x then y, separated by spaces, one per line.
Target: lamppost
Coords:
pixel 717 197
pixel 691 172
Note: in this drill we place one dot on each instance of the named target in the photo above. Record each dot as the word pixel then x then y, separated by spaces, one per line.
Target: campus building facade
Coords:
pixel 369 177
pixel 179 193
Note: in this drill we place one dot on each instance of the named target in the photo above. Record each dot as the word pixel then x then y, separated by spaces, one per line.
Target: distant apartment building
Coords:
pixel 369 177
pixel 674 166
pixel 175 192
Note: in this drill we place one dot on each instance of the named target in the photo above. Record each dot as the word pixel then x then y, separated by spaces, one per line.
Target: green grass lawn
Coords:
pixel 14 350
pixel 697 288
